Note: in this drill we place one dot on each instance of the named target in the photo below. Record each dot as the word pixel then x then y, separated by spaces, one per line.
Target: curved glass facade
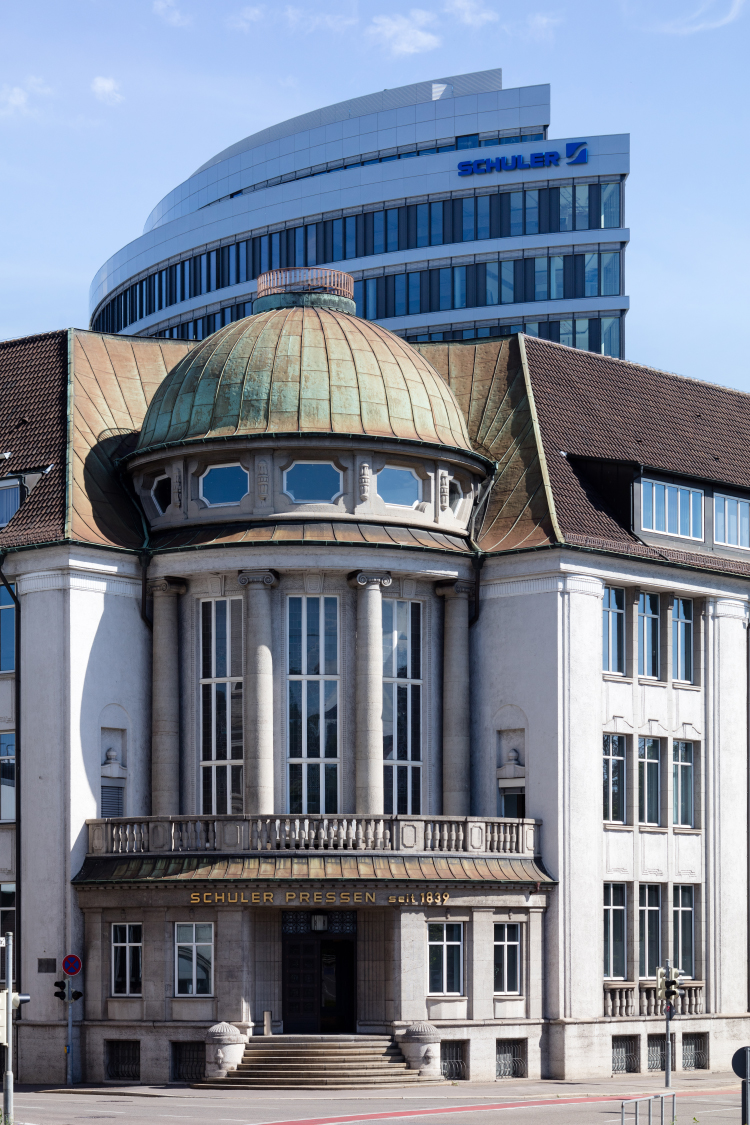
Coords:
pixel 519 249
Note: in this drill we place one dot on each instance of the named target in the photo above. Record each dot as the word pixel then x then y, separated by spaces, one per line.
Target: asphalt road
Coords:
pixel 705 1103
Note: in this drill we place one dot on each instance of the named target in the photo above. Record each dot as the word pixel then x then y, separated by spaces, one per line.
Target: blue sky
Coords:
pixel 105 106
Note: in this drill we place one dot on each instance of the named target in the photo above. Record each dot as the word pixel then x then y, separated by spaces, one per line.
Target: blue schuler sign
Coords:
pixel 576 149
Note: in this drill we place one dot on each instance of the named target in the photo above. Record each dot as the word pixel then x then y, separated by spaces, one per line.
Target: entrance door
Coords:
pixel 319 983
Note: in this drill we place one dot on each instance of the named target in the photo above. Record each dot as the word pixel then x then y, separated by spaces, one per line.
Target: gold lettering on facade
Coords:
pixel 255 896
pixel 207 896
pixel 317 897
pixel 230 899
pixel 304 896
pixel 358 898
pixel 290 896
pixel 268 897
pixel 345 897
pixel 371 898
pixel 218 897
pixel 243 899
pixel 330 896
pixel 195 898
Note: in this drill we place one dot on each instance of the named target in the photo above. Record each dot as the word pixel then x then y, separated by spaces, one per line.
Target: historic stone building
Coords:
pixel 327 644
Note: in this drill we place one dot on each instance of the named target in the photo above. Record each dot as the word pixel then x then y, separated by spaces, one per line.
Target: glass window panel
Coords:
pixel 295 788
pixel 312 481
pixel 402 728
pixel 566 208
pixel 184 970
pixel 491 291
pixel 398 486
pixel 566 331
pixel 235 607
pixel 684 513
pixel 221 790
pixel 387 614
pixel 312 257
pixel 483 216
pixel 507 284
pixel 416 793
pixel 331 719
pixel 516 213
pixel 350 235
pixel 556 287
pixel 532 212
pixel 378 232
pixel 331 789
pixel 610 266
pixel 119 969
pixel 313 637
pixel 313 718
pixel 414 292
pixel 391 229
pixel 220 720
pixel 582 206
pixel 295 718
pixel 731 525
pixel 206 640
pixel 436 968
pixel 610 338
pixel 540 277
pixel 135 967
pixel 338 240
pixel 236 720
pixel 591 275
pixel 221 638
pixel 582 334
pixel 744 523
pixel 388 690
pixel 402 633
pixel 719 519
pixel 610 195
pixel 436 224
pixel 388 790
pixel 313 788
pixel 295 636
pixel 224 484
pixel 445 286
pixel 371 298
pixel 672 500
pixel 203 961
pixel 467 220
pixel 399 294
pixel 459 287
pixel 423 224
pixel 660 508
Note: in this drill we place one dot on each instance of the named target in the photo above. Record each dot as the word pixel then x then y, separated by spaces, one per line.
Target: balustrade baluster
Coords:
pixel 369 836
pixel 460 838
pixel 387 836
pixel 378 835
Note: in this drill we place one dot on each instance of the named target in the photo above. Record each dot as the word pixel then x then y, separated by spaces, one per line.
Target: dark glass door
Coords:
pixel 338 987
pixel 301 985
pixel 319 980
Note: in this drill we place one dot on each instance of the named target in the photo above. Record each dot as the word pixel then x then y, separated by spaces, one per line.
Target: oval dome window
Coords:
pixel 312 482
pixel 398 486
pixel 224 484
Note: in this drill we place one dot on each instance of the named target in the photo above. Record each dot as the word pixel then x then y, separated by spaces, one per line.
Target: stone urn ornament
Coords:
pixel 225 1046
pixel 420 1046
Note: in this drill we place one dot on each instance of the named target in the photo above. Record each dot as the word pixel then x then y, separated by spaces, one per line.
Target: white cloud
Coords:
pixel 168 11
pixel 15 100
pixel 107 90
pixel 245 18
pixel 405 35
pixel 706 17
pixel 470 12
pixel 541 26
pixel 299 19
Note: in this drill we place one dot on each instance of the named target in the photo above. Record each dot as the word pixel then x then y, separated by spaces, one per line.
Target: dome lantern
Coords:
pixel 305 286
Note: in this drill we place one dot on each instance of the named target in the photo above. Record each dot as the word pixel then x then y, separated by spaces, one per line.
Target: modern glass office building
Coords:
pixel 447 201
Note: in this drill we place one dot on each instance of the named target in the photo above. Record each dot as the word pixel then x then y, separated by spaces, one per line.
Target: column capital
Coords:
pixel 458 589
pixel 256 578
pixel 167 587
pixel 359 579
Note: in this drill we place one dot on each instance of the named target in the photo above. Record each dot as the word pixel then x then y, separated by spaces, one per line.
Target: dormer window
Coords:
pixel 313 482
pixel 672 509
pixel 10 500
pixel 731 521
pixel 161 493
pixel 223 484
pixel 399 486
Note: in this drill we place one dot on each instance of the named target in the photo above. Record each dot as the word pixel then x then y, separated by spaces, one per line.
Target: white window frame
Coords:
pixel 401 469
pixel 678 766
pixel 678 917
pixel 680 489
pixel 12 482
pixel 643 913
pixel 444 946
pixel 127 946
pixel 644 778
pixel 611 615
pixel 682 627
pixel 322 678
pixel 741 503
pixel 608 757
pixel 223 503
pixel 336 495
pixel 231 680
pixel 644 618
pixel 505 945
pixel 183 944
pixel 157 505
pixel 391 683
pixel 610 911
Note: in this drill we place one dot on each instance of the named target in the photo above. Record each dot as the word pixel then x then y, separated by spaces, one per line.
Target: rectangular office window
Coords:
pixel 483 216
pixel 610 211
pixel 581 193
pixel 445 944
pixel 312 245
pixel 672 509
pixel 371 298
pixel 275 250
pixel 399 294
pixel 414 293
pixel 566 208
pixel 194 958
pixel 516 212
pixel 402 706
pixel 682 783
pixel 591 275
pixel 610 336
pixel 731 521
pixel 556 281
pixel 446 295
pixel 299 246
pixel 649 780
pixel 491 284
pixel 648 635
pixel 540 279
pixel 507 283
pixel 614 777
pixel 566 333
pixel 683 944
pixel 459 287
pixel 127 959
pixel 615 961
pixel 682 640
pixel 507 957
pixel 582 334
pixel 423 224
pixel 532 212
pixel 391 229
pixel 350 236
pixel 8 775
pixel 467 220
pixel 221 706
pixel 610 274
pixel 613 630
pixel 313 694
pixel 649 928
pixel 436 224
pixel 338 240
pixel 378 232
pixel 264 254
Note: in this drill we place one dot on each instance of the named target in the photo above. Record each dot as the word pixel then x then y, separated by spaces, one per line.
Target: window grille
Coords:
pixel 510 1058
pixel 188 1062
pixel 452 1059
pixel 625 1054
pixel 300 921
pixel 402 706
pixel 112 800
pixel 694 1051
pixel 124 1058
pixel 656 1053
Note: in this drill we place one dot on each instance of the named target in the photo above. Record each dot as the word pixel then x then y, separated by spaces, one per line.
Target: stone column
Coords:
pixel 369 691
pixel 456 704
pixel 258 690
pixel 165 705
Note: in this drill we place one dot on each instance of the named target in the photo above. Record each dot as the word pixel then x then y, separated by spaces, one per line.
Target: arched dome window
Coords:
pixel 223 484
pixel 313 482
pixel 399 486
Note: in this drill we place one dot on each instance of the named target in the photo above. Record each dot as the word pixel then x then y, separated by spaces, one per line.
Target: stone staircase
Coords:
pixel 318 1061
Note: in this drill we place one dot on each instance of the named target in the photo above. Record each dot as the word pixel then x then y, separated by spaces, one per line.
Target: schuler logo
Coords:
pixel 576 149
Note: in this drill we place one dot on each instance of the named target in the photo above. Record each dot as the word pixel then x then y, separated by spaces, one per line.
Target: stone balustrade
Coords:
pixel 691 1004
pixel 619 999
pixel 445 834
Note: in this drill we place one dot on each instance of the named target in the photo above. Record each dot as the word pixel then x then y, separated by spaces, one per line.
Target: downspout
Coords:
pixel 17 686
pixel 477 554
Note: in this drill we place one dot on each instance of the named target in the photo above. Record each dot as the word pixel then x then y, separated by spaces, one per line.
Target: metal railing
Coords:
pixel 441 834
pixel 650 1101
pixel 306 279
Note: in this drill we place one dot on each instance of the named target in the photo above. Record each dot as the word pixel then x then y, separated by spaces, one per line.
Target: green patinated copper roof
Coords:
pixel 305 370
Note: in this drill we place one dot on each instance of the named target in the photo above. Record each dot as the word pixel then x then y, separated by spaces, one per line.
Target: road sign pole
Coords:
pixel 667 1040
pixel 69 1073
pixel 8 1077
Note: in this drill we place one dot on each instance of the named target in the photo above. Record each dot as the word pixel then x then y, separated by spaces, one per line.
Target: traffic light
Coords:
pixel 76 995
pixel 17 998
pixel 62 989
pixel 661 984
